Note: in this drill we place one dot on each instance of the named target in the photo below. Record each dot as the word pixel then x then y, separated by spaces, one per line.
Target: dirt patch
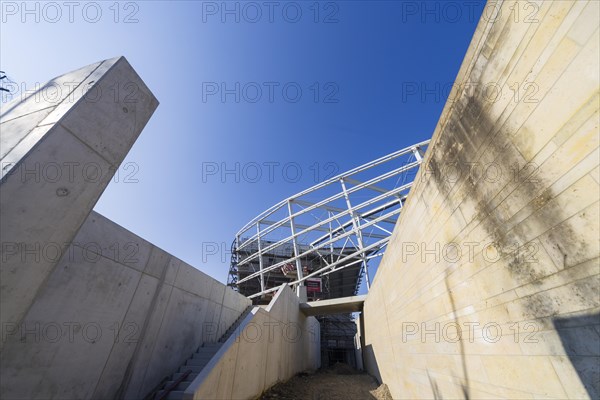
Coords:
pixel 340 382
pixel 382 393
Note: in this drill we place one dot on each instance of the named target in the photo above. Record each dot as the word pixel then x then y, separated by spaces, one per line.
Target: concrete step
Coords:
pixel 199 362
pixel 227 333
pixel 211 350
pixel 210 346
pixel 204 354
pixel 188 378
pixel 181 386
pixel 235 325
pixel 195 368
pixel 174 395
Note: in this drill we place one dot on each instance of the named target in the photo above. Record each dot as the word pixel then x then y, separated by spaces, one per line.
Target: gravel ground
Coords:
pixel 340 382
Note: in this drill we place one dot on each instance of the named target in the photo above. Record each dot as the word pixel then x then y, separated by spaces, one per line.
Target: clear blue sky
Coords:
pixel 373 77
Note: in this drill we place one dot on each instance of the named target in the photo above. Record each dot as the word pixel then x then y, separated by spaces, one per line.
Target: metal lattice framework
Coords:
pixel 345 220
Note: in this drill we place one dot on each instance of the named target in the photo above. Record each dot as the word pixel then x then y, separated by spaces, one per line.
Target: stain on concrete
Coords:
pixel 461 148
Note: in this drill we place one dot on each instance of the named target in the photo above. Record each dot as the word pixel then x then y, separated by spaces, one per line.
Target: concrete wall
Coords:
pixel 60 147
pixel 88 309
pixel 499 239
pixel 272 344
pixel 114 318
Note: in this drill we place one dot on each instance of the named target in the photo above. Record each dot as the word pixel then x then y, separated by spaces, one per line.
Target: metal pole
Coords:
pixel 358 232
pixel 295 244
pixel 330 238
pixel 260 258
pixel 418 154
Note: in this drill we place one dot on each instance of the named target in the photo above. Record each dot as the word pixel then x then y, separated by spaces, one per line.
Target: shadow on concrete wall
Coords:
pixel 370 362
pixel 465 384
pixel 580 337
pixel 368 354
pixel 434 387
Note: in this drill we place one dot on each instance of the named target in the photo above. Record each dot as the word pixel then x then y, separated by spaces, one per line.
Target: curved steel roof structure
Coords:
pixel 345 221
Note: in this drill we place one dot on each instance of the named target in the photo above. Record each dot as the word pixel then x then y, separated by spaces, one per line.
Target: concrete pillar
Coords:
pixel 301 293
pixel 61 145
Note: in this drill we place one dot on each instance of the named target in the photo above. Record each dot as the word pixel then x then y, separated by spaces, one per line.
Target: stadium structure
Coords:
pixel 326 241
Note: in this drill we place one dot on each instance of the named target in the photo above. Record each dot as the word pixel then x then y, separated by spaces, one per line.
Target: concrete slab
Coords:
pixel 66 335
pixel 114 373
pixel 340 305
pixel 251 360
pixel 234 301
pixel 136 387
pixel 185 281
pixel 23 127
pixel 266 348
pixel 99 235
pixel 51 94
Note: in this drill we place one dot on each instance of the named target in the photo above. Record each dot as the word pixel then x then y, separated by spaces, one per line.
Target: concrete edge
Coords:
pixel 188 394
pixel 6 173
pixel 269 307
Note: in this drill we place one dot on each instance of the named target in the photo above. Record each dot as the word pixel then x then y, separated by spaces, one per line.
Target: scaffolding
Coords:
pixel 326 238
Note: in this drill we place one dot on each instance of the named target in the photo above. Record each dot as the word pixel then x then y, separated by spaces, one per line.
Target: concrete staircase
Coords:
pixel 173 389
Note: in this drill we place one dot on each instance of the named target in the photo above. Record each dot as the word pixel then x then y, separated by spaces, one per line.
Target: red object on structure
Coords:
pixel 313 285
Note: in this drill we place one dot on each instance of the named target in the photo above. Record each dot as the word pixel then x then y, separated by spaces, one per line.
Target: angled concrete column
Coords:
pixel 60 146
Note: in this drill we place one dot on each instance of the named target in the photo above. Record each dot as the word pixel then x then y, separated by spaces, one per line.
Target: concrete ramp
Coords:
pixel 342 305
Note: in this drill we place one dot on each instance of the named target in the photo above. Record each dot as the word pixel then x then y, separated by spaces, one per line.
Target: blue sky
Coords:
pixel 324 86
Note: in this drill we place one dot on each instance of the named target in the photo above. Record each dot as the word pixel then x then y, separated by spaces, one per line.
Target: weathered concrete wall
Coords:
pixel 499 239
pixel 272 344
pixel 59 149
pixel 114 318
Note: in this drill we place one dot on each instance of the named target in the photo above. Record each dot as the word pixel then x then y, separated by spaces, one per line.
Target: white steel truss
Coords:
pixel 345 220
